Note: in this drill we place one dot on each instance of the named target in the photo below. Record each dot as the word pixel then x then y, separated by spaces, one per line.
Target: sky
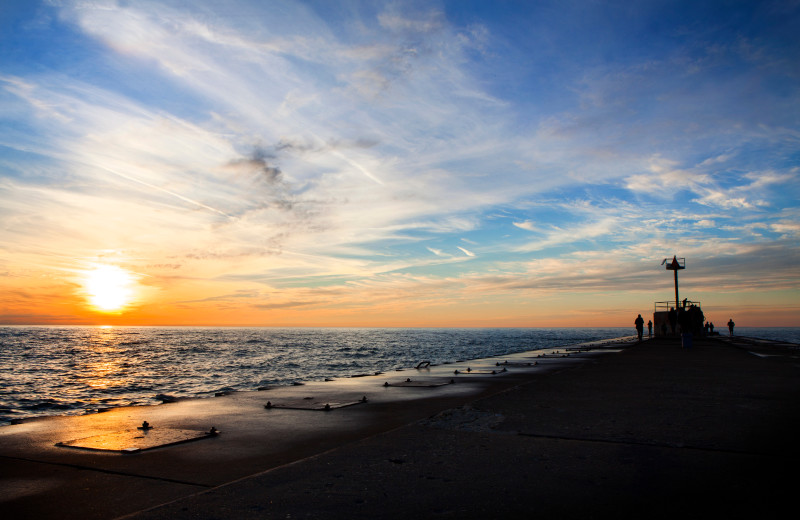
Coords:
pixel 395 164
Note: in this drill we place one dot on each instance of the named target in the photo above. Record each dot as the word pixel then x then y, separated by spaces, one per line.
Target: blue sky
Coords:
pixel 399 163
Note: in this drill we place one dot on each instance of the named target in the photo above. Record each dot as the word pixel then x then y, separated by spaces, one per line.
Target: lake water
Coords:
pixel 76 370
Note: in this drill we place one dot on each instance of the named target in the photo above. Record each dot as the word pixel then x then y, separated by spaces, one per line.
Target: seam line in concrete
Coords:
pixel 110 471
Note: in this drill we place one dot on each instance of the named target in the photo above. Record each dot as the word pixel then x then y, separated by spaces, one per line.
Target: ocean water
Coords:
pixel 77 370
pixel 788 334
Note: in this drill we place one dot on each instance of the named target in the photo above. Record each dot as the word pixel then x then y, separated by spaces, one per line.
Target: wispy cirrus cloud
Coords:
pixel 391 149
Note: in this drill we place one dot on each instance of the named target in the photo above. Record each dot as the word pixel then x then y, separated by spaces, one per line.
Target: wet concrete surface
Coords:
pixel 643 430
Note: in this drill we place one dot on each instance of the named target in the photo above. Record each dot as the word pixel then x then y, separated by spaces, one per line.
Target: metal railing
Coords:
pixel 683 304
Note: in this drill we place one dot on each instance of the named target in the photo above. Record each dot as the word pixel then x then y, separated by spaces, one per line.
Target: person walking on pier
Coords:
pixel 649 328
pixel 730 326
pixel 673 319
pixel 639 322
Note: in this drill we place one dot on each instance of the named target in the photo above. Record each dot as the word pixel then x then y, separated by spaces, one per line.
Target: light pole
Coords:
pixel 675 266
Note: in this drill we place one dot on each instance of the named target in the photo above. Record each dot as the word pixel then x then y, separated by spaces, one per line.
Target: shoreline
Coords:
pixel 51 398
pixel 168 398
pixel 439 370
pixel 367 459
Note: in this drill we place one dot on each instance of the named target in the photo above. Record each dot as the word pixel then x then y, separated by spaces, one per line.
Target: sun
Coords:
pixel 109 288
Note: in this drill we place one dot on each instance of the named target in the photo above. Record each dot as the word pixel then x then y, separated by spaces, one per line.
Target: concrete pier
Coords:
pixel 623 431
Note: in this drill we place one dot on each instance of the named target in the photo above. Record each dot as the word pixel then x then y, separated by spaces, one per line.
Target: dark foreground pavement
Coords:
pixel 653 431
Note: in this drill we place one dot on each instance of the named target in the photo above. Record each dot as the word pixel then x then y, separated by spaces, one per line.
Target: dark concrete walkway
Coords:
pixel 653 431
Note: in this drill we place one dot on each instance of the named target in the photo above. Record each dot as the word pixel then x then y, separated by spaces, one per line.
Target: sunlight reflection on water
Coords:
pixel 72 370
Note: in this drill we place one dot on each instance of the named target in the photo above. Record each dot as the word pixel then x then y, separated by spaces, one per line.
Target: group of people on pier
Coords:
pixel 690 321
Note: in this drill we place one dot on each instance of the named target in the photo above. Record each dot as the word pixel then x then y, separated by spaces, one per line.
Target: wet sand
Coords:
pixel 623 430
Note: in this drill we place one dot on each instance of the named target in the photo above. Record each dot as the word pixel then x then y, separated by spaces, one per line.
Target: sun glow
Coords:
pixel 109 288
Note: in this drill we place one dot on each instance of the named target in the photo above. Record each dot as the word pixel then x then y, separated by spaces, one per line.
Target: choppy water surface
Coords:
pixel 61 370
pixel 71 370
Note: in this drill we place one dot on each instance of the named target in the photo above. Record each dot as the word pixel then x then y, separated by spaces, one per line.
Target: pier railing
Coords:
pixel 666 306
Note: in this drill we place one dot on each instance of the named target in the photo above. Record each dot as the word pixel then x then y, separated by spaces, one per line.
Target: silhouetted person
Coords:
pixel 685 321
pixel 673 319
pixel 649 328
pixel 730 326
pixel 696 318
pixel 711 328
pixel 639 322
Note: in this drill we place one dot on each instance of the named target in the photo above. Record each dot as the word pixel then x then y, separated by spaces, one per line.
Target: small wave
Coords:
pixel 49 404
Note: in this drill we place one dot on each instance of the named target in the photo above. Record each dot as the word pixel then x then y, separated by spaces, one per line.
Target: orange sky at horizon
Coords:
pixel 397 163
pixel 73 301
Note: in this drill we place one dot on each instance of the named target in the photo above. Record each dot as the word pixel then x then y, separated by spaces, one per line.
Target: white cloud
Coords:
pixel 583 231
pixel 705 223
pixel 789 228
pixel 719 159
pixel 665 178
pixel 526 225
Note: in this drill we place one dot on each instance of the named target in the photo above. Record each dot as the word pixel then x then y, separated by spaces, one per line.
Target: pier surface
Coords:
pixel 628 430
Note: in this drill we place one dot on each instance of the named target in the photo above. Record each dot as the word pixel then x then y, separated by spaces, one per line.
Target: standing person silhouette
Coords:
pixel 639 322
pixel 730 326
pixel 673 319
pixel 649 328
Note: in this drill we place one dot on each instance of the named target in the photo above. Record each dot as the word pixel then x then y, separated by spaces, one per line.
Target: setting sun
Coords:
pixel 344 182
pixel 109 288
